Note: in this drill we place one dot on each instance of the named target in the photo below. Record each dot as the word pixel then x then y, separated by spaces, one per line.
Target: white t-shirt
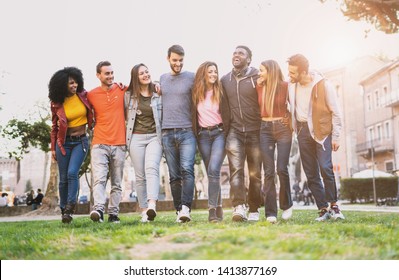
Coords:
pixel 302 100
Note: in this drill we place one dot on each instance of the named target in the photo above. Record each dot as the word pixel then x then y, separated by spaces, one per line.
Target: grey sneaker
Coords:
pixel 324 215
pixel 335 213
pixel 253 216
pixel 239 213
pixel 97 216
pixel 212 217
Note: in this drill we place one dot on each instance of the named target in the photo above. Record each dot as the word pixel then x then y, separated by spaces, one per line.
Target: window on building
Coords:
pixel 387 130
pixel 389 166
pixel 371 134
pixel 368 102
pixel 384 98
pixel 377 98
pixel 337 90
pixel 379 132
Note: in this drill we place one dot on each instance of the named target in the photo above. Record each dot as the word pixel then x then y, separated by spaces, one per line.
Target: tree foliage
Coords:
pixel 383 14
pixel 27 134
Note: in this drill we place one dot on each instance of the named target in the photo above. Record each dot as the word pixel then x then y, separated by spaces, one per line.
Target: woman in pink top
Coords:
pixel 208 128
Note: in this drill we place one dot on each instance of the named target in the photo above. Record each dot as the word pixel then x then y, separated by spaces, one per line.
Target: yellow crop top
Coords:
pixel 75 111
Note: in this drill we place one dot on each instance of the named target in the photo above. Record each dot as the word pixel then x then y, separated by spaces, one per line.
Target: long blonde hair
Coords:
pixel 270 86
pixel 199 87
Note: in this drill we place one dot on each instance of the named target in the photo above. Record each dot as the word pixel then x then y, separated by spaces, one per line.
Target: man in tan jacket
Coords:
pixel 317 120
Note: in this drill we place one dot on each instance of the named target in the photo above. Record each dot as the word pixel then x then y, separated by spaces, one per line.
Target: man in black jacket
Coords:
pixel 241 119
pixel 37 200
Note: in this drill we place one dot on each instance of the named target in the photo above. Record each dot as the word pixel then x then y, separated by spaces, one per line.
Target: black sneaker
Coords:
pixel 212 216
pixel 113 219
pixel 97 216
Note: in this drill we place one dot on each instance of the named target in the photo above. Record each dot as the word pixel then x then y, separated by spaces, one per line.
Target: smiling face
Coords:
pixel 293 73
pixel 106 76
pixel 262 73
pixel 176 62
pixel 211 75
pixel 72 86
pixel 144 75
pixel 240 59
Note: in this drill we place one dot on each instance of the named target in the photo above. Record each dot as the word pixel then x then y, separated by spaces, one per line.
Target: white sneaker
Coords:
pixel 287 214
pixel 336 214
pixel 239 213
pixel 184 214
pixel 271 219
pixel 253 216
pixel 144 217
pixel 151 212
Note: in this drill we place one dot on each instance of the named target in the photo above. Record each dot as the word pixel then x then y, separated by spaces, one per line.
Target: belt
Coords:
pixel 272 121
pixel 219 125
pixel 177 129
pixel 75 138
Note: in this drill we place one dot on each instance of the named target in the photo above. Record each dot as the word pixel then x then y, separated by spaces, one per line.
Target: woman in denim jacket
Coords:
pixel 71 115
pixel 143 110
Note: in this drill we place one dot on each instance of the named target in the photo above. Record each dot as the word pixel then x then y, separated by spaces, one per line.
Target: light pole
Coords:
pixel 372 163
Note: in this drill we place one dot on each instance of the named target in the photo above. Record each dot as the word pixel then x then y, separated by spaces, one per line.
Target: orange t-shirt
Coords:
pixel 109 116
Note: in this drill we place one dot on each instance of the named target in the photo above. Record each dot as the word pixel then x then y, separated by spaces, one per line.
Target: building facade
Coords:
pixel 346 80
pixel 381 119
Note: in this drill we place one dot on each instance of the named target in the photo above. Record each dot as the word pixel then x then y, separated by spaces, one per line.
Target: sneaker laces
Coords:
pixel 335 208
pixel 322 212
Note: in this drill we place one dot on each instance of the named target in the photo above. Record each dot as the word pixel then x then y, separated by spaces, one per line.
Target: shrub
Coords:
pixel 356 189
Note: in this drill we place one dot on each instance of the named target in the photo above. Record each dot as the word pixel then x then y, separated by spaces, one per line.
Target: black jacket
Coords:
pixel 240 108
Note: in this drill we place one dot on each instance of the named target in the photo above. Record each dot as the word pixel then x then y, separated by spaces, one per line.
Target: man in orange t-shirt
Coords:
pixel 108 145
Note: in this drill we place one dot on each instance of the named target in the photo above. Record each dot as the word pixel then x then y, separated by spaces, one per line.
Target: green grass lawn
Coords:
pixel 363 235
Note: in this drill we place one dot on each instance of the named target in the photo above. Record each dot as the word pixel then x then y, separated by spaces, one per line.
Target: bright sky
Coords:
pixel 42 36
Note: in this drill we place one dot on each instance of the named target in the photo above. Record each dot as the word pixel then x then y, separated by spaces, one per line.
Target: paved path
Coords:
pixel 344 208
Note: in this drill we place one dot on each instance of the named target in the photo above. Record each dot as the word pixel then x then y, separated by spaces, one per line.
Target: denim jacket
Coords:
pixel 60 123
pixel 131 111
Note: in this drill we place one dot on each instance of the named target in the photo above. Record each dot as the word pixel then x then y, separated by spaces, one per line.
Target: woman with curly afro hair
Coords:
pixel 71 116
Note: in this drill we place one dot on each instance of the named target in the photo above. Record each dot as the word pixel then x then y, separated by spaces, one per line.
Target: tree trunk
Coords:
pixel 50 201
pixel 165 181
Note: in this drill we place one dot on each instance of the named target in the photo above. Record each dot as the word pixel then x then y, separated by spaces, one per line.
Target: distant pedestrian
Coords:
pixel 37 201
pixel 29 197
pixel 4 200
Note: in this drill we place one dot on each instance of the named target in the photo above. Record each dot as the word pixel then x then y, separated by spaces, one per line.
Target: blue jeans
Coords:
pixel 211 146
pixel 69 166
pixel 146 153
pixel 104 159
pixel 241 146
pixel 316 161
pixel 274 134
pixel 179 146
